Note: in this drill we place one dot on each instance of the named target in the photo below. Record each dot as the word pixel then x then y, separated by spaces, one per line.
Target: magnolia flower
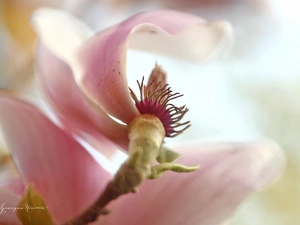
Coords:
pixel 83 75
pixel 78 63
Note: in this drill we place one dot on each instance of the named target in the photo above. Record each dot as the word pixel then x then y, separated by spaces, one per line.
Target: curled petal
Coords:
pixel 176 34
pixel 75 110
pixel 60 169
pixel 228 174
pixel 101 70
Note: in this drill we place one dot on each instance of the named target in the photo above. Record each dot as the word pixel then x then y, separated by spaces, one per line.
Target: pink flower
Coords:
pixel 65 173
pixel 99 65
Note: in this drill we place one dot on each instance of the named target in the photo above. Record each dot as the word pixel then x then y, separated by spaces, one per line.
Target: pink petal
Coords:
pixel 62 171
pixel 166 32
pixel 76 112
pixel 61 32
pixel 14 185
pixel 10 195
pixel 228 174
pixel 8 200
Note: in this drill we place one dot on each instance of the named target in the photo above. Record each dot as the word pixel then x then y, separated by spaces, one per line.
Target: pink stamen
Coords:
pixel 157 104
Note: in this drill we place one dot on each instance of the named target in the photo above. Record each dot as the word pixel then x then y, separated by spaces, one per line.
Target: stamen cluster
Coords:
pixel 155 100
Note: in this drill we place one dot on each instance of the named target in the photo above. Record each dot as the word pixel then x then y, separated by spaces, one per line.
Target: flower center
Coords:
pixel 155 98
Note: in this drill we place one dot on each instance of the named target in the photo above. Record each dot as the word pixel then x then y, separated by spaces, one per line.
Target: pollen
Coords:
pixel 155 99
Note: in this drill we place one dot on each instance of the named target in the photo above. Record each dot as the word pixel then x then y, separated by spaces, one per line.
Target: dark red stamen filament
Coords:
pixel 156 101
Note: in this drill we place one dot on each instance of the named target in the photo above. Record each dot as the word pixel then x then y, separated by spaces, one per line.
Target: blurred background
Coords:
pixel 251 91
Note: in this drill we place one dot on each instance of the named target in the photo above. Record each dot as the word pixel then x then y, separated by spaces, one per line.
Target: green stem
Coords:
pixel 146 134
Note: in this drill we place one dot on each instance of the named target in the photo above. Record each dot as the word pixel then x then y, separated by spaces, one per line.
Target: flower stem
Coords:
pixel 146 134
